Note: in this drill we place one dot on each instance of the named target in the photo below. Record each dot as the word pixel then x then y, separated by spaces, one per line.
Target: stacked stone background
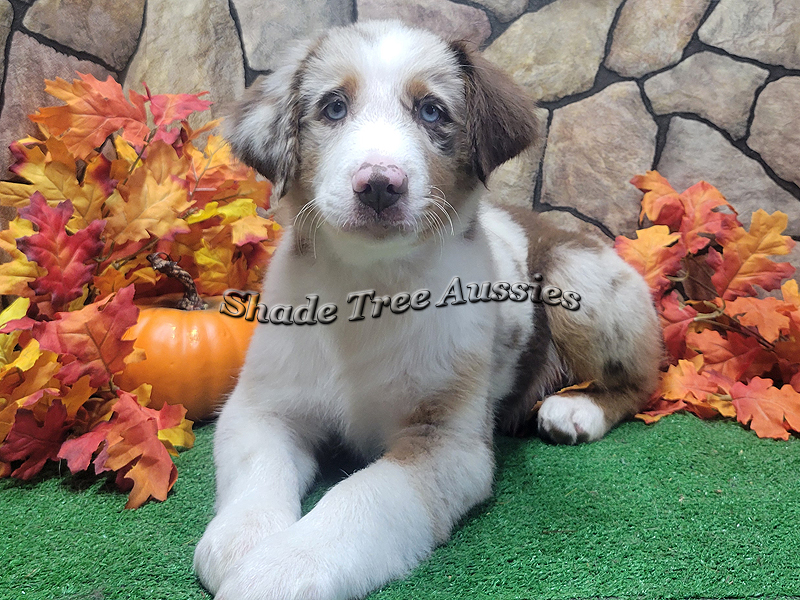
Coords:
pixel 698 89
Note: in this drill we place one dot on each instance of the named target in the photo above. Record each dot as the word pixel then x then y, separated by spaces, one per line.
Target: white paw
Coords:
pixel 282 566
pixel 229 537
pixel 573 418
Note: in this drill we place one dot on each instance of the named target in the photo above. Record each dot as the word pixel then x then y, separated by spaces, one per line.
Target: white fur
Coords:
pixel 572 418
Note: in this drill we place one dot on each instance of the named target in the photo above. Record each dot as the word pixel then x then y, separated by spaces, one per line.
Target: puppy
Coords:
pixel 380 139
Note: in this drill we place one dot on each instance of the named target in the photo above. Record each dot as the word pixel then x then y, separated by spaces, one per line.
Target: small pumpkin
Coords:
pixel 194 353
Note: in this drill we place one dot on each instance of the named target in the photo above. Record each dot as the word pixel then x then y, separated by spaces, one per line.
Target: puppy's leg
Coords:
pixel 380 522
pixel 263 468
pixel 612 339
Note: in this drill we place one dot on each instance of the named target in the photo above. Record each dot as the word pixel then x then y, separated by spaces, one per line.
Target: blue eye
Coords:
pixel 430 113
pixel 336 110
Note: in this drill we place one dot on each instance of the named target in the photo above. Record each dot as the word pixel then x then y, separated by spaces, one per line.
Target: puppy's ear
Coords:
pixel 500 120
pixel 264 129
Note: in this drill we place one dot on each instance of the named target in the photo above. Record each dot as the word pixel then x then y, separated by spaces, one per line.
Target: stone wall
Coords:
pixel 698 89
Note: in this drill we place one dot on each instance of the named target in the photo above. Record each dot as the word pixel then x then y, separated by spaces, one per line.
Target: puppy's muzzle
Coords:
pixel 379 184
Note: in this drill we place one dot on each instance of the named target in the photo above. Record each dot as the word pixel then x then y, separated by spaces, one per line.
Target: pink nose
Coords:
pixel 379 183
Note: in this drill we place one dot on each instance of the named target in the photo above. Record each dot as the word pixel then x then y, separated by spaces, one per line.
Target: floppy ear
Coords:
pixel 500 120
pixel 264 129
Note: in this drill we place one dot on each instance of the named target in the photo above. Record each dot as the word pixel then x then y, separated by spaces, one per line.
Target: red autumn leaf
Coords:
pixel 675 321
pixel 35 444
pixel 655 254
pixel 683 379
pixel 78 451
pixel 169 108
pixel 732 356
pixel 771 412
pixel 64 256
pixel 93 335
pixel 132 439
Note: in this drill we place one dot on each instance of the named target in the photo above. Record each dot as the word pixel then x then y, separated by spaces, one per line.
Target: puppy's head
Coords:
pixel 380 130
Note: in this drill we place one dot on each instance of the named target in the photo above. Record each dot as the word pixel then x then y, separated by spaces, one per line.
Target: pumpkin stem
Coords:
pixel 163 263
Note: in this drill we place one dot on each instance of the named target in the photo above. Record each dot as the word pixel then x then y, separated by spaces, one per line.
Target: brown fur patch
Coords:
pixel 500 120
pixel 426 425
pixel 349 86
pixel 417 89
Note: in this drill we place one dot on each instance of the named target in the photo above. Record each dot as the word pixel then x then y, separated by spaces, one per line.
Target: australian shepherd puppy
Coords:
pixel 446 317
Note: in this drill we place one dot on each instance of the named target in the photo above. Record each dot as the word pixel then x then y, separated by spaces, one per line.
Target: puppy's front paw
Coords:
pixel 280 568
pixel 229 536
pixel 570 419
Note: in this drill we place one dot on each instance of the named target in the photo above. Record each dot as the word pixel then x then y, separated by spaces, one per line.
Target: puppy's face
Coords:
pixel 381 131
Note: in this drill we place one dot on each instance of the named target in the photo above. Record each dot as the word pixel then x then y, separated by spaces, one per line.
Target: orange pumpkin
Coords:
pixel 193 356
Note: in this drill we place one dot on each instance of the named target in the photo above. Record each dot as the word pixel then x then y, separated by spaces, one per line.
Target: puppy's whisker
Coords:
pixel 444 212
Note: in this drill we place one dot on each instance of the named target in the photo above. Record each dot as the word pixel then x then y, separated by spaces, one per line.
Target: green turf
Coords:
pixel 682 509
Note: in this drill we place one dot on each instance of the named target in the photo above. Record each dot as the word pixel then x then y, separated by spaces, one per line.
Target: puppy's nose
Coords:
pixel 379 184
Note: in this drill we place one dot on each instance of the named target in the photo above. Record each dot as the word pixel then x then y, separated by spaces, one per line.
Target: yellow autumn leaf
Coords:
pixel 19 272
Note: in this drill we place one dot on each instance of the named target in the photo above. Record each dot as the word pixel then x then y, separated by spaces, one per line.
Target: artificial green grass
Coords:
pixel 682 509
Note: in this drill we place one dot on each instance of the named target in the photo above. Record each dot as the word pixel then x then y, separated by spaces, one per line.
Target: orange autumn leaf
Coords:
pixel 767 315
pixel 770 412
pixel 732 356
pixel 94 110
pixel 661 203
pixel 702 218
pixel 745 260
pixel 655 253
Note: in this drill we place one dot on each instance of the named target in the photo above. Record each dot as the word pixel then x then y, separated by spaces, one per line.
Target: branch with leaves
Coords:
pixel 732 351
pixel 113 180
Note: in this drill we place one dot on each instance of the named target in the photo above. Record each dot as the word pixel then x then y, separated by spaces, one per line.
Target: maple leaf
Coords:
pixel 64 256
pixel 93 111
pixel 684 379
pixel 35 445
pixel 770 412
pixel 169 108
pixel 765 314
pixel 745 261
pixel 93 335
pixel 654 254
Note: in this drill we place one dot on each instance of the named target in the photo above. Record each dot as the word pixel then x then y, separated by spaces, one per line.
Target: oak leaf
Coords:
pixel 93 336
pixel 655 253
pixel 770 412
pixel 19 272
pixel 767 315
pixel 94 110
pixel 169 108
pixel 676 318
pixel 732 356
pixel 745 260
pixel 67 258
pixel 34 444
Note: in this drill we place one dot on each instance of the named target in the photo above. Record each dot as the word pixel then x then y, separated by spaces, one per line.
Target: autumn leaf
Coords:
pixel 65 257
pixel 169 108
pixel 19 272
pixel 93 336
pixel 676 318
pixel 770 412
pixel 219 271
pixel 94 110
pixel 745 261
pixel 732 356
pixel 34 444
pixel 655 254
pixel 767 315
pixel 151 202
pixel 702 220
pixel 661 203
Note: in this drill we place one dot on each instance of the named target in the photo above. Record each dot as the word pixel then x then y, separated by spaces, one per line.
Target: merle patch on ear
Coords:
pixel 264 129
pixel 500 119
